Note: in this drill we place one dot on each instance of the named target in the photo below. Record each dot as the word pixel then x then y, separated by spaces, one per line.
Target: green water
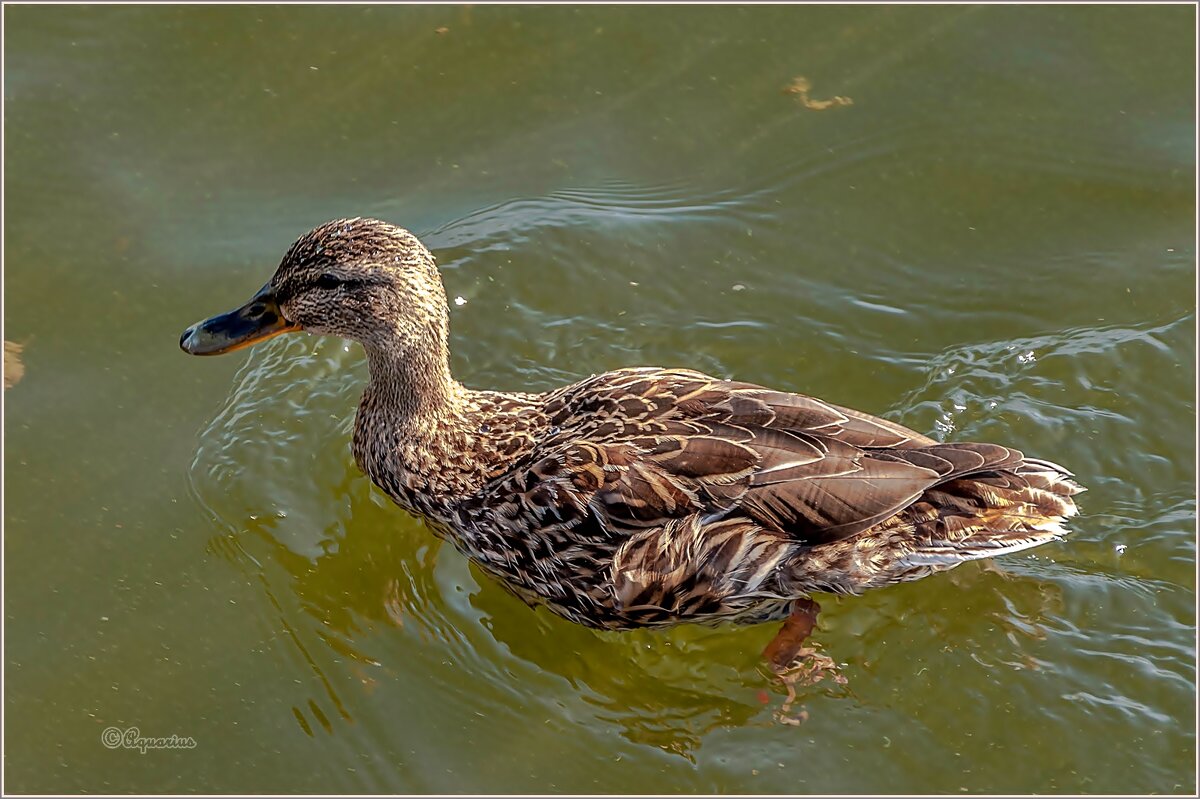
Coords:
pixel 995 241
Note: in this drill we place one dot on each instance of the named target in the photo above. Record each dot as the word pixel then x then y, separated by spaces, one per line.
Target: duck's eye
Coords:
pixel 328 281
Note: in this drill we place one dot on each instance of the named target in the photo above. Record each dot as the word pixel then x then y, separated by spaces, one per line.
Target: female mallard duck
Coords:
pixel 639 497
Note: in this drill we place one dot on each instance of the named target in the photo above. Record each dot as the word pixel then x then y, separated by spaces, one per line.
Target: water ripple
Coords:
pixel 598 208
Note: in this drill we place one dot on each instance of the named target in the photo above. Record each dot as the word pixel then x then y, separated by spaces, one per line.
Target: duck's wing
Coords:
pixel 666 445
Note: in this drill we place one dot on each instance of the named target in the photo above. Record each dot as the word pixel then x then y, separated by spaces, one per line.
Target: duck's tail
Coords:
pixel 989 514
pixel 973 516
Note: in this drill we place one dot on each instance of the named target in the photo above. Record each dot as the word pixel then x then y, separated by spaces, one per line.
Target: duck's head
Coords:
pixel 360 279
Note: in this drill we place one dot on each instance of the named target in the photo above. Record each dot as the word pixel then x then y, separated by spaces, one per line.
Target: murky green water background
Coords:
pixel 995 241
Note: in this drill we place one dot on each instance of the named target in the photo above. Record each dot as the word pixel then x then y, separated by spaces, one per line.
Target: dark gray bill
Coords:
pixel 257 320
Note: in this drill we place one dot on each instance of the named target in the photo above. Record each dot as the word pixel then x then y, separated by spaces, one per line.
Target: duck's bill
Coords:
pixel 257 320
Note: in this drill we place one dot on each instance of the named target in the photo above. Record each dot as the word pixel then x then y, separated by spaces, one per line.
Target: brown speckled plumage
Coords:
pixel 646 497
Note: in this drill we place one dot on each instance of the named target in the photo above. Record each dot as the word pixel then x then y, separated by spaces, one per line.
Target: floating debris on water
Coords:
pixel 14 370
pixel 1121 549
pixel 801 86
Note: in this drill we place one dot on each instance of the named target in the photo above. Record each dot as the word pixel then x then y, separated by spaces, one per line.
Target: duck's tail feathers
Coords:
pixel 992 513
pixel 978 547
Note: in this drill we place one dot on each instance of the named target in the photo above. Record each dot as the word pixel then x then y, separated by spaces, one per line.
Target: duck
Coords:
pixel 645 496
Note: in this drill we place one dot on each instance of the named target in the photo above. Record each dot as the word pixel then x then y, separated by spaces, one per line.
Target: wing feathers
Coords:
pixel 668 444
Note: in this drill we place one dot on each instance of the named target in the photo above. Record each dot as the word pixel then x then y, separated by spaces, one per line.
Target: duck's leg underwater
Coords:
pixel 793 663
pixel 787 643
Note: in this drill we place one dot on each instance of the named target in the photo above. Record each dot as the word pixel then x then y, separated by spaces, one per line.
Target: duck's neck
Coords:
pixel 412 426
pixel 411 388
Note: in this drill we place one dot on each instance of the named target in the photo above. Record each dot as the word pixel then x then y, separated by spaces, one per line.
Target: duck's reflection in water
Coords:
pixel 375 570
pixel 375 575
